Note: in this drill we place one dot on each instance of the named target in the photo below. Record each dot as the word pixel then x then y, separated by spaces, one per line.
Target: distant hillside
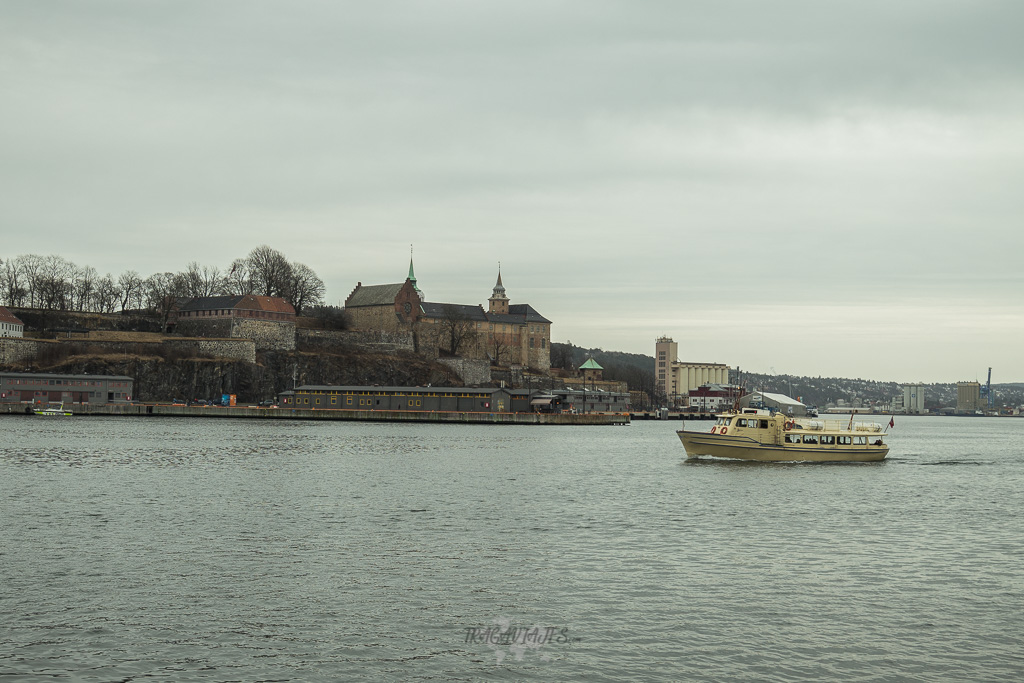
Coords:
pixel 820 391
pixel 637 370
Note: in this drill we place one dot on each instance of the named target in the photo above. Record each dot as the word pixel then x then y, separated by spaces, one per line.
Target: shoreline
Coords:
pixel 345 415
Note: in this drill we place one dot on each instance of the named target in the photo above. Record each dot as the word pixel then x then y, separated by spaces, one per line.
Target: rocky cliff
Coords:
pixel 162 378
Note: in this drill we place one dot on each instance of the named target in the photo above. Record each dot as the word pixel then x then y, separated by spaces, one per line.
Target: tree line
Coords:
pixel 55 283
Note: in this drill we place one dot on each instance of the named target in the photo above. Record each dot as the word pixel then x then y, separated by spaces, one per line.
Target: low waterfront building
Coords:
pixel 37 387
pixel 777 402
pixel 713 398
pixel 10 325
pixel 599 401
pixel 437 399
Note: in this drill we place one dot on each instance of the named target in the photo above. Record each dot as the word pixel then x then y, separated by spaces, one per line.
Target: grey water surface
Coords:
pixel 230 550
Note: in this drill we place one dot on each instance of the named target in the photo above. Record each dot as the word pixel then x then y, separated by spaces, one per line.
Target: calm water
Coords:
pixel 215 550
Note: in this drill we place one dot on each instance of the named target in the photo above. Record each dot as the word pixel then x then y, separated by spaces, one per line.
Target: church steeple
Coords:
pixel 412 274
pixel 498 300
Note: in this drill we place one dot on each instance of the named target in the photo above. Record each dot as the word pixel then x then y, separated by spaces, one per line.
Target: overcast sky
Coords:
pixel 807 187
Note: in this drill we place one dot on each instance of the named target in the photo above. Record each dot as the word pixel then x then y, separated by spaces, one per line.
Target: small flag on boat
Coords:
pixel 892 421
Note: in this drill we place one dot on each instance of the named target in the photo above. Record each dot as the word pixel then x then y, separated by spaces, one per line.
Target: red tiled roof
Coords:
pixel 8 317
pixel 248 302
pixel 274 304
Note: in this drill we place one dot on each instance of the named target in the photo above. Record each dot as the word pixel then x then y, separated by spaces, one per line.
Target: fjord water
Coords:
pixel 228 550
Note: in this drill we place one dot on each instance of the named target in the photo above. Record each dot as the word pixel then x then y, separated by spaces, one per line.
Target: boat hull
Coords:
pixel 699 444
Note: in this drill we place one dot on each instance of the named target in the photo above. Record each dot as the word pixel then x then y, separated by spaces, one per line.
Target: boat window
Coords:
pixel 844 440
pixel 828 440
pixel 792 438
pixel 764 424
pixel 810 438
pixel 741 422
pixel 860 441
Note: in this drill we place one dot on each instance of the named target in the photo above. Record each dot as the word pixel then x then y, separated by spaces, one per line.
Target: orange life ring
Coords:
pixel 714 430
pixel 789 425
pixel 724 430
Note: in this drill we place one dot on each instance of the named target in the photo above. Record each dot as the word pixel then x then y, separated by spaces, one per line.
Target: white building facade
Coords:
pixel 10 326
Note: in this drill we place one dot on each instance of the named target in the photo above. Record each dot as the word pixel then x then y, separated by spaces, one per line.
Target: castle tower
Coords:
pixel 592 372
pixel 498 301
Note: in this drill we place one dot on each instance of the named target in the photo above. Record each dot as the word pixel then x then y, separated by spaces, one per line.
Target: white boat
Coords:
pixel 766 436
pixel 53 409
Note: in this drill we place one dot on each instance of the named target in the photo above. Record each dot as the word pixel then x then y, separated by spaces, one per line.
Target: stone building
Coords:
pixel 504 333
pixel 267 320
pixel 592 372
pixel 386 308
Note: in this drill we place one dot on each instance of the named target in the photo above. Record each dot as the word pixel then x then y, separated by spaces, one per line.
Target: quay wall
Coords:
pixel 253 412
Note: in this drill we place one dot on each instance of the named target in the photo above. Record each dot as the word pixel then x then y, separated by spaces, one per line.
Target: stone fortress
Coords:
pixel 503 334
pixel 391 317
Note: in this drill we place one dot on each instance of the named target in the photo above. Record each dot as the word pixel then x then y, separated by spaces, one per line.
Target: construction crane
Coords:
pixel 988 389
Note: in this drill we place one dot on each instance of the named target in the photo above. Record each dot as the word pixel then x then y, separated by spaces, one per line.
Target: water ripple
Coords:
pixel 208 550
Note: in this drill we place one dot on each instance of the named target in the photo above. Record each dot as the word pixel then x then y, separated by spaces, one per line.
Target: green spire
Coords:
pixel 412 274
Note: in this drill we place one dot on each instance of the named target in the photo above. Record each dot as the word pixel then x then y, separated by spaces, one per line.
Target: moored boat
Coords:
pixel 52 410
pixel 762 435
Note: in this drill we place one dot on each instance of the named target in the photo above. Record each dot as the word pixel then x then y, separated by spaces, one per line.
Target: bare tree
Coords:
pixel 162 291
pixel 457 328
pixel 83 285
pixel 270 272
pixel 499 348
pixel 53 283
pixel 306 289
pixel 31 265
pixel 130 286
pixel 202 280
pixel 106 295
pixel 12 282
pixel 238 280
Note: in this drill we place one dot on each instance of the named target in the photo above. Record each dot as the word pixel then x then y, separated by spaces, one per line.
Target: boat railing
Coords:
pixel 840 426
